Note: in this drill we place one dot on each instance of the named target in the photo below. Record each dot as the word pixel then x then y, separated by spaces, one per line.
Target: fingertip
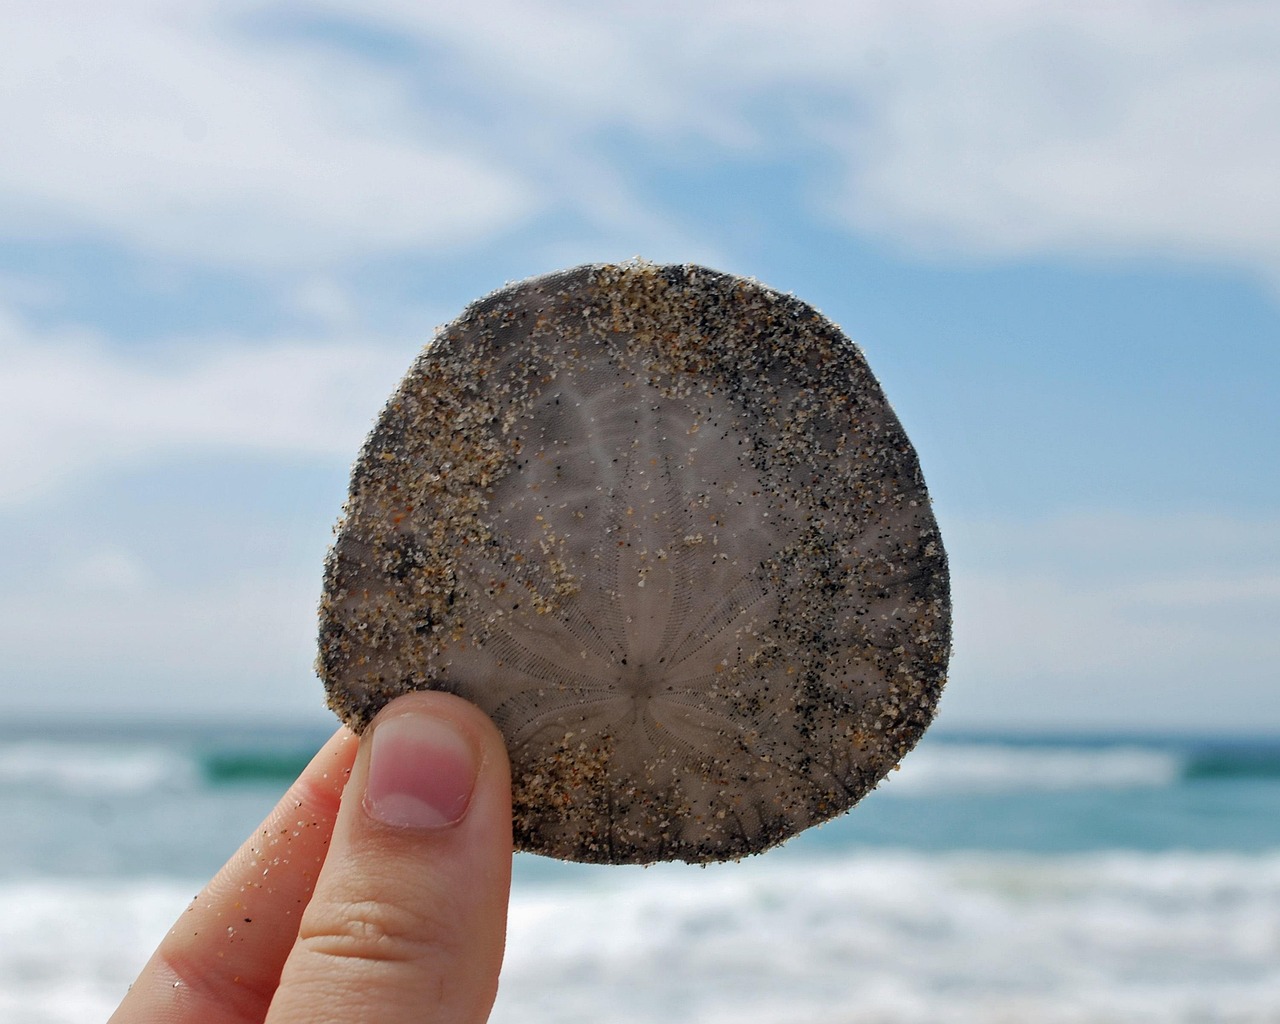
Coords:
pixel 324 779
pixel 209 969
pixel 460 712
pixel 410 909
pixel 422 771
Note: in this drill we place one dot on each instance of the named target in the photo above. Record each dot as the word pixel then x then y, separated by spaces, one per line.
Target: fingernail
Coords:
pixel 421 773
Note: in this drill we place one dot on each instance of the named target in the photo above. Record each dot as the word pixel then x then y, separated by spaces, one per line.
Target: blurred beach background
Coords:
pixel 991 879
pixel 227 228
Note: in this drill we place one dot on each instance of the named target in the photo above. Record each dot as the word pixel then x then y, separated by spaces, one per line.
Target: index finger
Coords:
pixel 221 961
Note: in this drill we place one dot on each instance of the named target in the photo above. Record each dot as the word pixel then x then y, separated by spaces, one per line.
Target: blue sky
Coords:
pixel 226 228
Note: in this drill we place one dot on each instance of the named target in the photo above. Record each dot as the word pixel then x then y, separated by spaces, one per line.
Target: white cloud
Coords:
pixel 162 127
pixel 997 128
pixel 325 302
pixel 1148 127
pixel 238 647
pixel 72 405
pixel 107 570
pixel 1117 620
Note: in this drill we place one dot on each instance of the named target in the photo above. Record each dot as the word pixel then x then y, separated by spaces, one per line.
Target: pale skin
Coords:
pixel 375 891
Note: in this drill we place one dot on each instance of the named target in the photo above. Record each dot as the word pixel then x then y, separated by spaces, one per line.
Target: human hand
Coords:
pixel 382 897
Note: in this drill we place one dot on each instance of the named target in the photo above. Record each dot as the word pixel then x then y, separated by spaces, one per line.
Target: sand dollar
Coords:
pixel 660 523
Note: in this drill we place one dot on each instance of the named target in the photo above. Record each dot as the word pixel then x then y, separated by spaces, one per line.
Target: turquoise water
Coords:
pixel 993 878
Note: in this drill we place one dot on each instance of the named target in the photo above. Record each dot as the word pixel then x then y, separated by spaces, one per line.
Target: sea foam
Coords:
pixel 885 937
pixel 990 767
pixel 57 766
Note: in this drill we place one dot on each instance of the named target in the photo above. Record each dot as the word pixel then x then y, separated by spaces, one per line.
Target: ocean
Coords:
pixel 992 879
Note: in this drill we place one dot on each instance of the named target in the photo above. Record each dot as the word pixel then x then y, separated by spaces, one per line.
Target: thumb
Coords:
pixel 408 918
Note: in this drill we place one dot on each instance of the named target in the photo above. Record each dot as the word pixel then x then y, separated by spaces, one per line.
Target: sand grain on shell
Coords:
pixel 661 524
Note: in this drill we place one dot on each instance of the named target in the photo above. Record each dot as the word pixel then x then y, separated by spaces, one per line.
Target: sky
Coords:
pixel 226 228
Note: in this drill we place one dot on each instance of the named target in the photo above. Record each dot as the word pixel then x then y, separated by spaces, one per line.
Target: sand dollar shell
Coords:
pixel 660 523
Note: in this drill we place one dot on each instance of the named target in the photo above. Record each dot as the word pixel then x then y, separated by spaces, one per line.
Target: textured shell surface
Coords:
pixel 660 523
